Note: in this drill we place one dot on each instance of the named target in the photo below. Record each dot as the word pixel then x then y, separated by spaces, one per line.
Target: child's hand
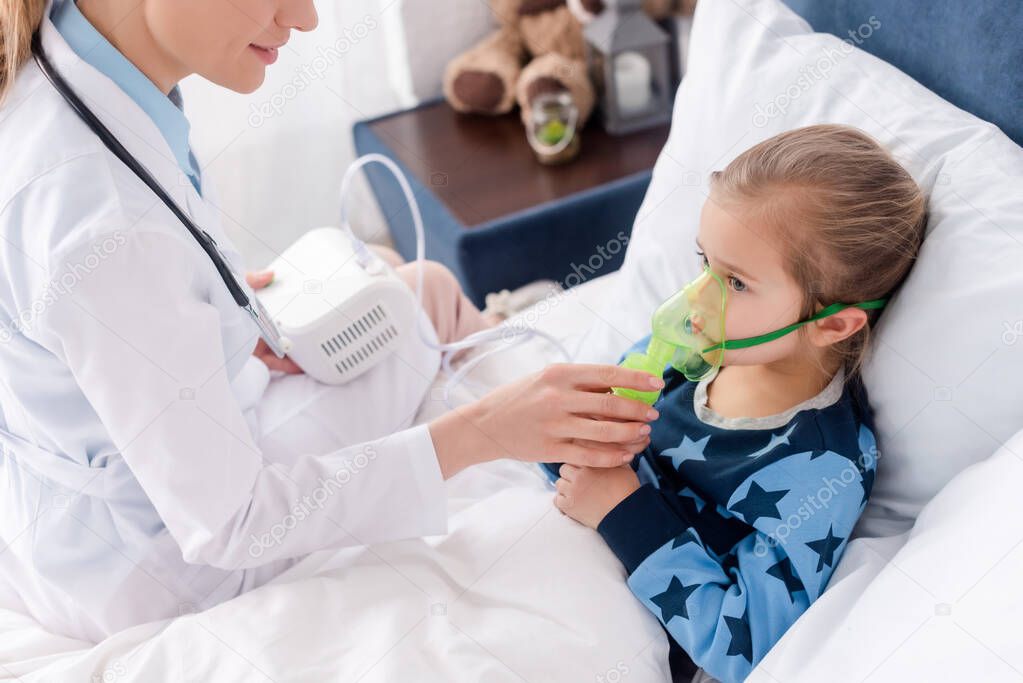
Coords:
pixel 587 494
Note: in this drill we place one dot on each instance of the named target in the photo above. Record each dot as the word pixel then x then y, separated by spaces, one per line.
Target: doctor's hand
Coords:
pixel 262 351
pixel 564 413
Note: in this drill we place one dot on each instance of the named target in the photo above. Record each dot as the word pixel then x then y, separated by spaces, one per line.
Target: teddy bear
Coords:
pixel 538 48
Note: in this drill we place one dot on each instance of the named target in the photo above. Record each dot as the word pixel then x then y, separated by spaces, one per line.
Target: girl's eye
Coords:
pixel 737 284
pixel 703 259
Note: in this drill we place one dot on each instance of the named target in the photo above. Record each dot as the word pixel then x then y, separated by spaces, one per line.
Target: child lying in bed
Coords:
pixel 732 520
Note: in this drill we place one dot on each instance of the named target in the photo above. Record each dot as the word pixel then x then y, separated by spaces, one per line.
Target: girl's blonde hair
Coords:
pixel 19 19
pixel 851 216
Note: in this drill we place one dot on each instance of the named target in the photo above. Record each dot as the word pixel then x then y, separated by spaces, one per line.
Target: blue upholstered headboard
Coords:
pixel 969 52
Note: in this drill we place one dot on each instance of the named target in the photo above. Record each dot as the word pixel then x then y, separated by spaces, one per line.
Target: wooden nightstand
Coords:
pixel 492 212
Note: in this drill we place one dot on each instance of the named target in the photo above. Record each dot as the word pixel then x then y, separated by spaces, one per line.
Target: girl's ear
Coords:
pixel 836 327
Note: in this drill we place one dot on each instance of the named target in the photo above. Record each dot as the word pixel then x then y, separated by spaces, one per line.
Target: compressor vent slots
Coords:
pixel 361 340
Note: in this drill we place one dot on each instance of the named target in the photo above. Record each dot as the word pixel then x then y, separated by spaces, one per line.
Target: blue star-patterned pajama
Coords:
pixel 739 523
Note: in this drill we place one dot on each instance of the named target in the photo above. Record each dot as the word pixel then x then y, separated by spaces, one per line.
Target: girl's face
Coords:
pixel 228 42
pixel 761 295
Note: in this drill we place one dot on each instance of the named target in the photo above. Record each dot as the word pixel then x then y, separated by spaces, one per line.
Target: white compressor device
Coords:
pixel 340 312
pixel 341 309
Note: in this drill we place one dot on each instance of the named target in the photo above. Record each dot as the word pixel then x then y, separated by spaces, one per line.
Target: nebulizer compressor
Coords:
pixel 342 309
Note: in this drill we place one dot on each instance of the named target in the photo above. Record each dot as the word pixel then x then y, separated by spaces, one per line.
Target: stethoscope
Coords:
pixel 267 329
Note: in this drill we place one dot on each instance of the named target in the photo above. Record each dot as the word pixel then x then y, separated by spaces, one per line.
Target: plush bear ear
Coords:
pixel 586 10
pixel 531 7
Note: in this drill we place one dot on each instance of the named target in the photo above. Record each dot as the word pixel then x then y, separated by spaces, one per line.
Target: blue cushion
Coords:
pixel 570 241
pixel 970 53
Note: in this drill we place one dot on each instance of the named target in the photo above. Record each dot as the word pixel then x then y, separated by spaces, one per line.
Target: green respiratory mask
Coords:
pixel 688 331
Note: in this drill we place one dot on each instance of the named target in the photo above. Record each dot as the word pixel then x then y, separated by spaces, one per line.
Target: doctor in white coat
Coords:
pixel 150 463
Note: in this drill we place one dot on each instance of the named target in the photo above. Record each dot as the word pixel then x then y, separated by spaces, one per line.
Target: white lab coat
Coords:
pixel 150 465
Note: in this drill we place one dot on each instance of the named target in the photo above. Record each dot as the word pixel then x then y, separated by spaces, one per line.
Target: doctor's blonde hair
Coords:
pixel 851 217
pixel 19 19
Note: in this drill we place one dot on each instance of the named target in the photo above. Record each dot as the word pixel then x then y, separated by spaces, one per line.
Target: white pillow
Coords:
pixel 948 358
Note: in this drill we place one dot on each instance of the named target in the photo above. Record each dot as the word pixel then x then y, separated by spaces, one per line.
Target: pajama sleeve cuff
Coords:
pixel 639 525
pixel 550 470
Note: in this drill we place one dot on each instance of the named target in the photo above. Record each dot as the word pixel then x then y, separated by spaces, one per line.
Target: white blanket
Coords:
pixel 518 592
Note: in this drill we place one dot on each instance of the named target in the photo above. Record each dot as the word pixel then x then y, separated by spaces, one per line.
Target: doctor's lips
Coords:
pixel 267 53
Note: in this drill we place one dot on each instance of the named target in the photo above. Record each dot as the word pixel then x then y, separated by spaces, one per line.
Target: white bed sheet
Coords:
pixel 516 591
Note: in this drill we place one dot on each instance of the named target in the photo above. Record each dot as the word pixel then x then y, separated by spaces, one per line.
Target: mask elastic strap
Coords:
pixel 732 344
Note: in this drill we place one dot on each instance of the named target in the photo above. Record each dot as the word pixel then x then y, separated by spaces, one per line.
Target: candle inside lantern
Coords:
pixel 632 82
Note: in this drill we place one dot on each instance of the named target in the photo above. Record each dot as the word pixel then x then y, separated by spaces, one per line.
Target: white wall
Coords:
pixel 277 155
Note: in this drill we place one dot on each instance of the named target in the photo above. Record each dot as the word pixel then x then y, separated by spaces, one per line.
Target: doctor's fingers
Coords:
pixel 574 453
pixel 604 431
pixel 631 446
pixel 610 406
pixel 259 279
pixel 601 377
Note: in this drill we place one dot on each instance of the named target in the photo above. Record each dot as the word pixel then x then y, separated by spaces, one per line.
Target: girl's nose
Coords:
pixel 693 324
pixel 696 320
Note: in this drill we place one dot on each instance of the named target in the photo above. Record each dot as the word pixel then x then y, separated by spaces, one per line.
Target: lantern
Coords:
pixel 628 57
